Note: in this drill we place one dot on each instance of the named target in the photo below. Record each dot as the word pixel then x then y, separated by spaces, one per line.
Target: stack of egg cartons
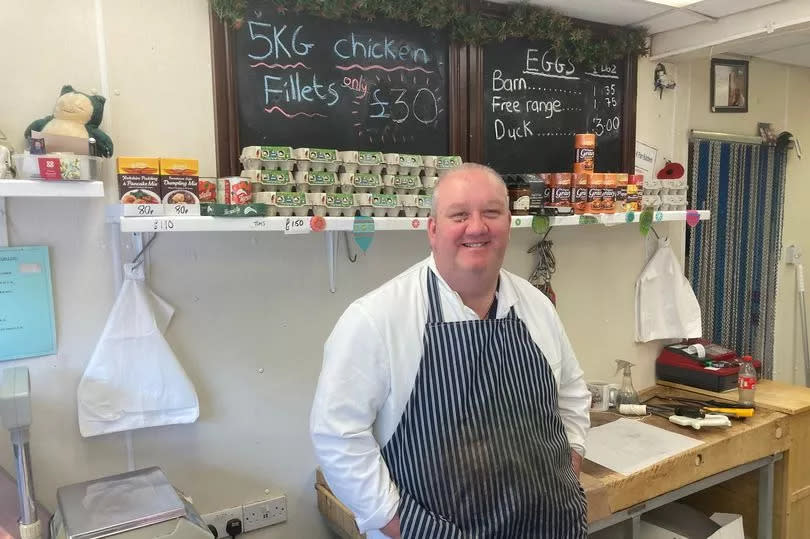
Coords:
pixel 673 194
pixel 651 195
pixel 360 181
pixel 334 183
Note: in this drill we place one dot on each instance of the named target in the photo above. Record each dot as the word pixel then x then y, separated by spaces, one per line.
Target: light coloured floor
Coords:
pixel 10 509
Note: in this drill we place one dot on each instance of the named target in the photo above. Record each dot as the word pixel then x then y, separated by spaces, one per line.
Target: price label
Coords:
pixel 180 209
pixel 163 225
pixel 296 225
pixel 145 209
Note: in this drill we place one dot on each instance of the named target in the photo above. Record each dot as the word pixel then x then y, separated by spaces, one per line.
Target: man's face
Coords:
pixel 470 231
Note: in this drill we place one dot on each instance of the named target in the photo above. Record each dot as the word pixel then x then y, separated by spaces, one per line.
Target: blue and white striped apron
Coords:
pixel 480 450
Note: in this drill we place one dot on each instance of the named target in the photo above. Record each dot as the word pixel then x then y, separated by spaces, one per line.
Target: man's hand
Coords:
pixel 392 528
pixel 576 462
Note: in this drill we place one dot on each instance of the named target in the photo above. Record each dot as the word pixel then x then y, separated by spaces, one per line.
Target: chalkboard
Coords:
pixel 534 103
pixel 306 81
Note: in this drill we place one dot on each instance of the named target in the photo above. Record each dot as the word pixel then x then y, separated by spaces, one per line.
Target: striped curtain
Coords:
pixel 732 258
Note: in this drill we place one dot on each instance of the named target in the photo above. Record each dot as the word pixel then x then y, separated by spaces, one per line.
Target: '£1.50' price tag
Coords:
pixel 296 225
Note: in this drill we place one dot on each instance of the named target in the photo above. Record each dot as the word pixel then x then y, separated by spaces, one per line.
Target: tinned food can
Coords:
pixel 233 190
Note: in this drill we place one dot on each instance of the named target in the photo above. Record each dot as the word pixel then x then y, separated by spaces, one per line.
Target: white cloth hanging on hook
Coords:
pixel 133 379
pixel 666 306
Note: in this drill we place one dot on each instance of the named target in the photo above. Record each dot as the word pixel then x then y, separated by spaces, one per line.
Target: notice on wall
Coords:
pixel 645 160
pixel 27 327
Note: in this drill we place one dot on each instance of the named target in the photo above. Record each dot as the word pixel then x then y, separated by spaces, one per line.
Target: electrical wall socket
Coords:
pixel 220 518
pixel 264 513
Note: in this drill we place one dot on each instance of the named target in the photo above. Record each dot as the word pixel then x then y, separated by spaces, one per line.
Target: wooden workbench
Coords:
pixel 608 492
pixel 792 489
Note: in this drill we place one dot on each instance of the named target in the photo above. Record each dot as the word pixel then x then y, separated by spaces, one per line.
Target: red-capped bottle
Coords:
pixel 747 381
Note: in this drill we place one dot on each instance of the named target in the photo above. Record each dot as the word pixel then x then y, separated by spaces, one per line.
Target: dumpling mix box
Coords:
pixel 139 186
pixel 179 179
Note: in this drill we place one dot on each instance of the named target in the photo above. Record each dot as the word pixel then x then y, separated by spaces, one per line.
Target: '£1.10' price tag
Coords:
pixel 296 225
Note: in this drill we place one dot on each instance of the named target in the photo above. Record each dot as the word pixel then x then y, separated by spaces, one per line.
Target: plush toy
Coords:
pixel 77 115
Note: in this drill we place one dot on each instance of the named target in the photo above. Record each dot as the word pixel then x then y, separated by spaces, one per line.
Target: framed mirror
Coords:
pixel 729 85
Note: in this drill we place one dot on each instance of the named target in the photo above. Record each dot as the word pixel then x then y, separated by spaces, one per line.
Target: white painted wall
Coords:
pixel 244 302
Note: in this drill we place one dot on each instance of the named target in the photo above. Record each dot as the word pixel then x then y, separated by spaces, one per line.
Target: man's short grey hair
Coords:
pixel 461 169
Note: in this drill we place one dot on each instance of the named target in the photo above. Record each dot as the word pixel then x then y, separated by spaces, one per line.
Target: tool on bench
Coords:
pixel 685 416
pixel 730 409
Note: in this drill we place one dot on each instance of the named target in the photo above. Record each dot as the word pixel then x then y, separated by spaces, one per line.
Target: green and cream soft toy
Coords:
pixel 77 115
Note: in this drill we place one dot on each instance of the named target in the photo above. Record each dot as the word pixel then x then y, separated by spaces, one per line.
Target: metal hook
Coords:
pixel 351 258
pixel 140 254
pixel 652 228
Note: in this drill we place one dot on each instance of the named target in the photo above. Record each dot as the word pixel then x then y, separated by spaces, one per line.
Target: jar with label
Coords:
pixel 609 194
pixel 621 192
pixel 584 152
pixel 579 192
pixel 547 190
pixel 519 196
pixel 595 183
pixel 635 185
pixel 561 192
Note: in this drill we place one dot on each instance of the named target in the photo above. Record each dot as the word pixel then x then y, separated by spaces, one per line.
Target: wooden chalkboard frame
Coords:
pixel 226 114
pixel 476 94
pixel 465 85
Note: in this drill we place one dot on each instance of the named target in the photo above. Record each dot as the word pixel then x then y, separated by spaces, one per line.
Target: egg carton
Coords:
pixel 673 199
pixel 391 163
pixel 650 201
pixel 316 181
pixel 267 157
pixel 445 163
pixel 429 182
pixel 401 184
pixel 378 204
pixel 358 161
pixel 409 205
pixel 337 204
pixel 317 159
pixel 423 203
pixel 410 164
pixel 269 180
pixel 361 182
pixel 287 204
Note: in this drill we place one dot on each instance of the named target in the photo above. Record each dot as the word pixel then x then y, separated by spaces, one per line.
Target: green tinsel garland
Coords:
pixel 568 38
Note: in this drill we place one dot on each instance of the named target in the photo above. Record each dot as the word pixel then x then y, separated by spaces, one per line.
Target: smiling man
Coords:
pixel 450 403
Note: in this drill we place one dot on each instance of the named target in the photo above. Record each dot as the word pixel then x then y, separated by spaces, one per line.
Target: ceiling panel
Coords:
pixel 795 55
pixel 671 20
pixel 766 43
pixel 618 12
pixel 722 8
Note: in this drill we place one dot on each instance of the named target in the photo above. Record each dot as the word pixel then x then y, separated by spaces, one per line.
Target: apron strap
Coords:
pixel 434 300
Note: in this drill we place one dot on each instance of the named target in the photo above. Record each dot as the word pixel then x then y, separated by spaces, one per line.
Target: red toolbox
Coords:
pixel 716 371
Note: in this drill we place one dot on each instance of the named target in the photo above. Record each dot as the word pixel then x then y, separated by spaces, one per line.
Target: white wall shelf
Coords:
pixel 51 188
pixel 341 224
pixel 298 225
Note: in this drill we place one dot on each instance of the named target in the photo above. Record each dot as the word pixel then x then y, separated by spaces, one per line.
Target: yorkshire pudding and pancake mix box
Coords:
pixel 139 186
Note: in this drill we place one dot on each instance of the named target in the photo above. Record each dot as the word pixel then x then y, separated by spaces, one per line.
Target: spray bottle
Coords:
pixel 627 393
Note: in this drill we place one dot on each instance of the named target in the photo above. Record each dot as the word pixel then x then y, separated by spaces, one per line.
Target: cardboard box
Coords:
pixel 680 521
pixel 179 190
pixel 139 186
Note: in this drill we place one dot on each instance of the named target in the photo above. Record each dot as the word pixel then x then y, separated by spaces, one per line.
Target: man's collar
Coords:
pixel 506 293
